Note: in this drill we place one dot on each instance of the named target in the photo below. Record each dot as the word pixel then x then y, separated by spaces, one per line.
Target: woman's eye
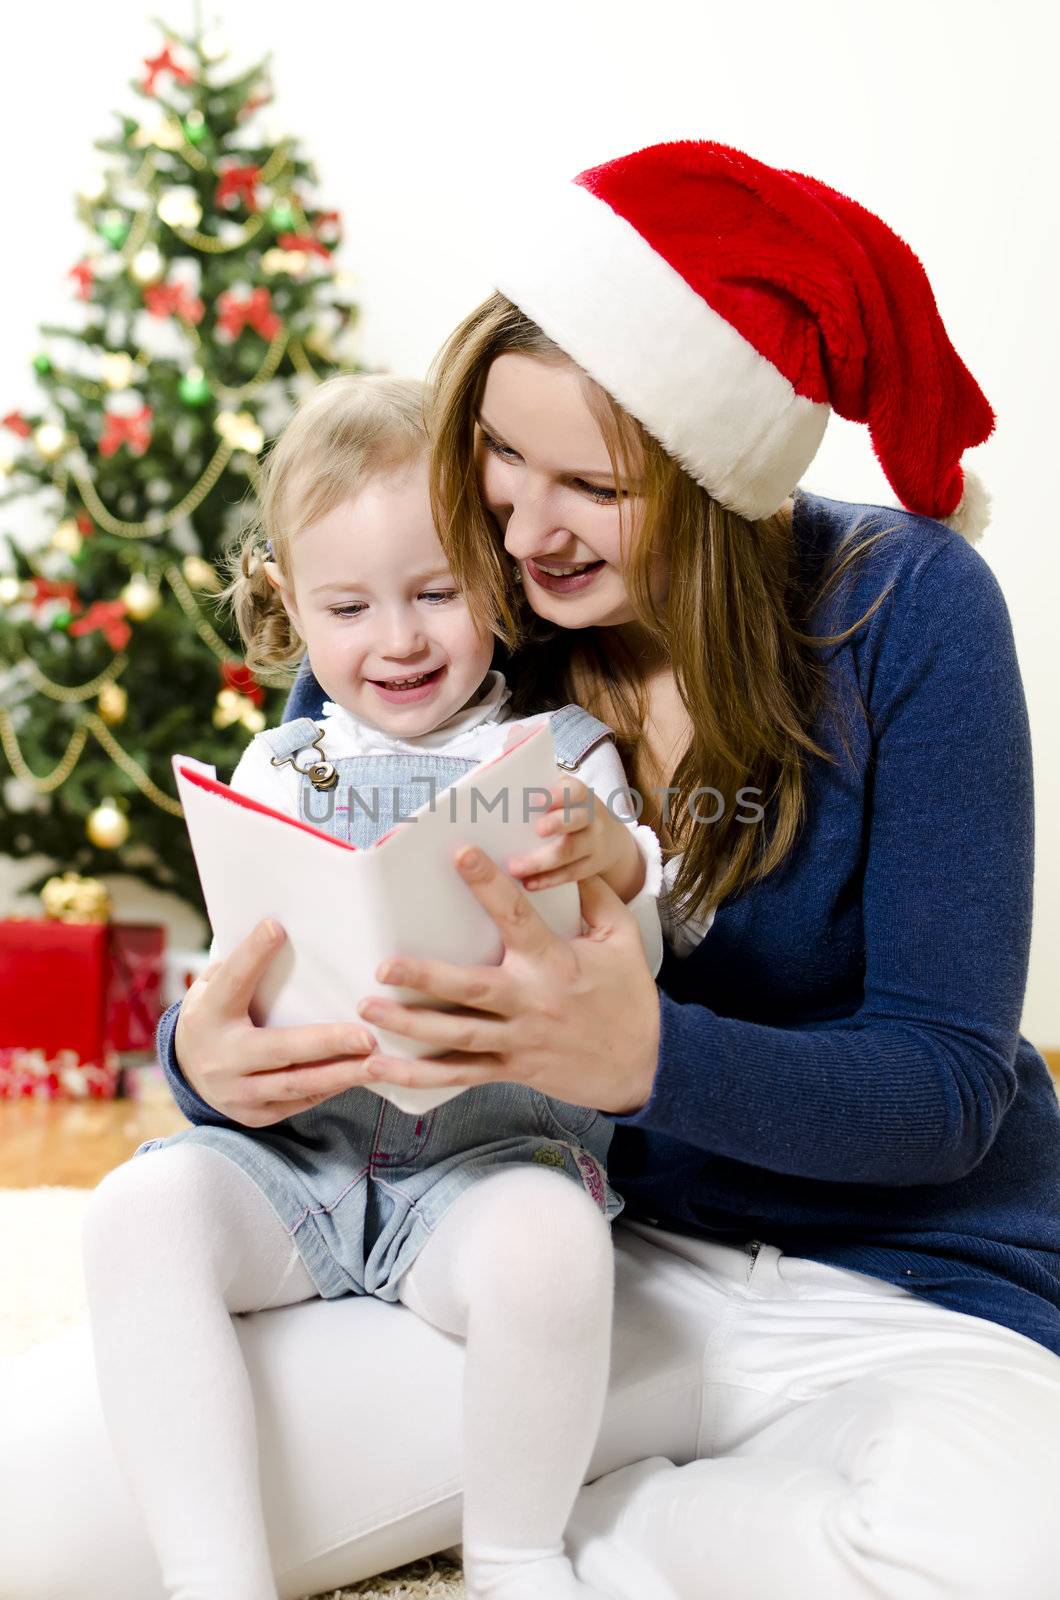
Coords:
pixel 605 497
pixel 436 596
pixel 505 451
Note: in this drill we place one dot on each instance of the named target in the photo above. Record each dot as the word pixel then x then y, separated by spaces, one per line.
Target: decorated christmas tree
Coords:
pixel 206 301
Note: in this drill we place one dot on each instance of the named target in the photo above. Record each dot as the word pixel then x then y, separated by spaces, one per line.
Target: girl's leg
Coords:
pixel 522 1266
pixel 359 1416
pixel 176 1241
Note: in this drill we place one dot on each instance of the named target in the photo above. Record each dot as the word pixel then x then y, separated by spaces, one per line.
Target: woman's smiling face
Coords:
pixel 547 478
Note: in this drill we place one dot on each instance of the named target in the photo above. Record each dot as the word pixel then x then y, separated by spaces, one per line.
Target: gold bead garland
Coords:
pixel 190 608
pixel 59 773
pixel 132 769
pixel 301 361
pixel 70 695
pixel 63 768
pixel 158 522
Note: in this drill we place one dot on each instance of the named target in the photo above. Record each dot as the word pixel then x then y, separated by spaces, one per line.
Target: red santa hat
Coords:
pixel 730 307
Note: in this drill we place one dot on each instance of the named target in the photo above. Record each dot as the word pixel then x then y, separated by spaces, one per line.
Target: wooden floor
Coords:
pixel 76 1143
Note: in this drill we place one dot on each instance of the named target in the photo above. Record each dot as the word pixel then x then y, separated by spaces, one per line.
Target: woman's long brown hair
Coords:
pixel 732 627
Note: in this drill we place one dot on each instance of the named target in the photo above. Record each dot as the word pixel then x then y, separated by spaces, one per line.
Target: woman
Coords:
pixel 838 1308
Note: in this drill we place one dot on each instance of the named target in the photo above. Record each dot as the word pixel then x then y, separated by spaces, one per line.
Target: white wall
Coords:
pixel 421 117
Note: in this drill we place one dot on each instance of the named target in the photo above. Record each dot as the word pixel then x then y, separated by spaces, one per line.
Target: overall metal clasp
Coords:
pixel 321 773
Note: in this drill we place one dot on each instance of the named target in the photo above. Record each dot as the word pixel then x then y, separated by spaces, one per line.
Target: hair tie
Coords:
pixel 269 552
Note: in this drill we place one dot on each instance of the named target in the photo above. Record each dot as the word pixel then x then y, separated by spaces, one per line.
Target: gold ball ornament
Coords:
pixel 200 574
pixel 213 46
pixel 231 706
pixel 67 538
pixel 239 429
pixel 107 827
pixel 8 462
pixel 113 703
pixel 93 189
pixel 161 130
pixel 116 369
pixel 147 265
pixel 293 262
pixel 10 590
pixel 141 597
pixel 178 208
pixel 50 440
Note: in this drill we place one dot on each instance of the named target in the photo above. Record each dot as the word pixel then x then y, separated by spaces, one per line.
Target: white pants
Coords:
pixel 834 1437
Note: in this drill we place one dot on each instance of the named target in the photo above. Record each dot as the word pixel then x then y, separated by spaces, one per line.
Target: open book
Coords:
pixel 346 910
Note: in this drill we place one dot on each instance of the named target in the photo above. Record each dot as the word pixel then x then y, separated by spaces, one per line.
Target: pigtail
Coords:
pixel 271 643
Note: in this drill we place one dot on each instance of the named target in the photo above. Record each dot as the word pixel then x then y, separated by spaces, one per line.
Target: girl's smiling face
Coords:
pixel 547 478
pixel 389 635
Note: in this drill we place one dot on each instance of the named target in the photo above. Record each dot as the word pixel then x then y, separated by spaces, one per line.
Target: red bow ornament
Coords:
pixel 173 300
pixel 134 432
pixel 44 590
pixel 328 226
pixel 108 617
pixel 18 424
pixel 305 242
pixel 239 183
pixel 163 62
pixel 255 311
pixel 241 679
pixel 83 276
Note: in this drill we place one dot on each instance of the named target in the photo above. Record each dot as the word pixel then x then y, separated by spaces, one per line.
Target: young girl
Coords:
pixel 486 1215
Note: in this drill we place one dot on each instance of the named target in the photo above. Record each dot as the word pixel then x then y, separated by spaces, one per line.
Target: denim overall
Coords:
pixel 358 1184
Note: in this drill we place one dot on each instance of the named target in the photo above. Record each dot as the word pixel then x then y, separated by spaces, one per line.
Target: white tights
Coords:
pixel 521 1267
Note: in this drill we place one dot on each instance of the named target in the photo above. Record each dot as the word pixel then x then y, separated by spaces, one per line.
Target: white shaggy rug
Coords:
pixel 43 1292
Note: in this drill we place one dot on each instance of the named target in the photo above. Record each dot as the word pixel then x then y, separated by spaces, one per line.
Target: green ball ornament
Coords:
pixel 194 126
pixel 42 364
pixel 194 389
pixel 281 215
pixel 61 621
pixel 115 230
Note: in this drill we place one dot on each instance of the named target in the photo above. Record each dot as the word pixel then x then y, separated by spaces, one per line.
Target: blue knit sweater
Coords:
pixel 841 1071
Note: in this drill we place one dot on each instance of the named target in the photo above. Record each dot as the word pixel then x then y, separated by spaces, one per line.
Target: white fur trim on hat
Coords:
pixel 973 511
pixel 612 303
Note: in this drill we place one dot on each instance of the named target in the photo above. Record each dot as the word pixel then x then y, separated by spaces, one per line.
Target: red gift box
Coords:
pixel 71 996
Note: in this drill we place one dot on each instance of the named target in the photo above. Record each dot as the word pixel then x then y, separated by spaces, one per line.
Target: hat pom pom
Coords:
pixel 972 515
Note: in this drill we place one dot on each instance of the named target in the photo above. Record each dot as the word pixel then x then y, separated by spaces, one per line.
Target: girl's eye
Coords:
pixel 353 610
pixel 438 595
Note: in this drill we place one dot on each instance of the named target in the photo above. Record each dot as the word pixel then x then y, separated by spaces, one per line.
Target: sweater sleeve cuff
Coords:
pixel 196 1110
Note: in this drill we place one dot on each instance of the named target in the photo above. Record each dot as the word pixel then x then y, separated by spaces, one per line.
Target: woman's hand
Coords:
pixel 257 1076
pixel 585 840
pixel 577 1019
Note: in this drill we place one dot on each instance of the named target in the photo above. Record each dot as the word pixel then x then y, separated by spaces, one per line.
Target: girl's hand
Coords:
pixel 585 841
pixel 257 1076
pixel 577 1019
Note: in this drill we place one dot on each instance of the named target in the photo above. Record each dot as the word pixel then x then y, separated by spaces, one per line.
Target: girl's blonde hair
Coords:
pixel 732 627
pixel 350 429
